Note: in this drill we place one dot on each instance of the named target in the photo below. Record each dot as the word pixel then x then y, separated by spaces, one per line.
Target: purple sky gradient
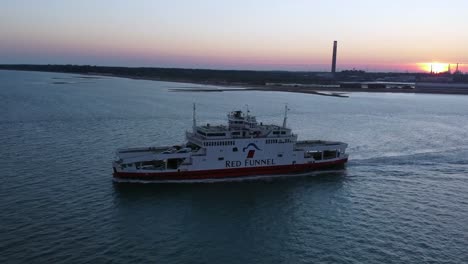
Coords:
pixel 257 34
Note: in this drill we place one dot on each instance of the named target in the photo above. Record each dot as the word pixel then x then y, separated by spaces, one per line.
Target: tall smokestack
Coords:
pixel 335 46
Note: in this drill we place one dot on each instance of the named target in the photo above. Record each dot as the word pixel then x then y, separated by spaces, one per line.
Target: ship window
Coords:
pixel 221 158
pixel 317 155
pixel 276 132
pixel 236 133
pixel 283 132
pixel 329 154
pixel 234 149
pixel 280 155
pixel 217 134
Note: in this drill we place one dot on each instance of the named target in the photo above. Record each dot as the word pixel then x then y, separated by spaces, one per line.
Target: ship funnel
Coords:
pixel 335 47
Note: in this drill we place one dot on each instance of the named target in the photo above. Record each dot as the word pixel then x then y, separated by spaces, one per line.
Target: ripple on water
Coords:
pixel 403 197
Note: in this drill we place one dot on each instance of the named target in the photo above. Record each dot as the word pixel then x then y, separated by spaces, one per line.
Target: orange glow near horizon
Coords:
pixel 436 67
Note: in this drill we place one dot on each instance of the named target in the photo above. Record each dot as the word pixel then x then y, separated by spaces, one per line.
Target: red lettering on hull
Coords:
pixel 229 173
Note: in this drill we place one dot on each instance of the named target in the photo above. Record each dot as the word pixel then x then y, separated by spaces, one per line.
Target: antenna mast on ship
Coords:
pixel 194 118
pixel 285 115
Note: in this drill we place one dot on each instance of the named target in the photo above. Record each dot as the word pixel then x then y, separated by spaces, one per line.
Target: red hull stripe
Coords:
pixel 229 173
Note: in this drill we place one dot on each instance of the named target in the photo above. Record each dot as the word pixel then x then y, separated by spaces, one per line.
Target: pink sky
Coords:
pixel 263 35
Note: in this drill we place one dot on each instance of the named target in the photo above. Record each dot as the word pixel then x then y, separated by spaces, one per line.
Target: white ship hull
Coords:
pixel 241 150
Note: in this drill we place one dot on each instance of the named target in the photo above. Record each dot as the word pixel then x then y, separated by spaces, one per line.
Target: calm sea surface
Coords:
pixel 403 197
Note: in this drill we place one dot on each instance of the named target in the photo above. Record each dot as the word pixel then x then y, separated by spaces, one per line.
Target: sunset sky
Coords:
pixel 375 35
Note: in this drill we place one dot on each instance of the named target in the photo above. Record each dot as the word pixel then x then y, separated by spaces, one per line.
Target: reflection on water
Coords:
pixel 138 190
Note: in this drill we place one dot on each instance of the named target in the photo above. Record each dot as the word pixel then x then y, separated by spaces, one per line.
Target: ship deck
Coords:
pixel 304 144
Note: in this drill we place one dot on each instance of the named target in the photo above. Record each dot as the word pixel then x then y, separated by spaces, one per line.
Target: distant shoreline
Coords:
pixel 424 88
pixel 227 80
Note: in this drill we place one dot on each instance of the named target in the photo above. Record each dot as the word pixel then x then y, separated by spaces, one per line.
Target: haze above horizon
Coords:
pixel 258 35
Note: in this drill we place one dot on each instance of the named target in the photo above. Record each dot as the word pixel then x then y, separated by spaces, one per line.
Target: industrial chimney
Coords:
pixel 335 46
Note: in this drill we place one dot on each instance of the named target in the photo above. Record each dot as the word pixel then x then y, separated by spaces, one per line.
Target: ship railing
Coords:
pixel 142 149
pixel 318 142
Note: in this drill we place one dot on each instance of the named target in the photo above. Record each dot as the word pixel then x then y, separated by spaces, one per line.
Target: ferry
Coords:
pixel 243 148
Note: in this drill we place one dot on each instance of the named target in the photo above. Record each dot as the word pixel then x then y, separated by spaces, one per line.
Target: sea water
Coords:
pixel 403 197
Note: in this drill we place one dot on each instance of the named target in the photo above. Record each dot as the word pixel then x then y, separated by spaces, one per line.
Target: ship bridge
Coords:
pixel 240 125
pixel 239 121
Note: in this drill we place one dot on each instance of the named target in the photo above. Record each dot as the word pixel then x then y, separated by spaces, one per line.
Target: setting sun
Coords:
pixel 435 67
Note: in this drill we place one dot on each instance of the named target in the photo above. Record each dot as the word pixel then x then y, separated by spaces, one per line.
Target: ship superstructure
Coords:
pixel 242 148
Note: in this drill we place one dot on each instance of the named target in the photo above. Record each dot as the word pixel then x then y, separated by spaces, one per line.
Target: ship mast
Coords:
pixel 194 118
pixel 285 115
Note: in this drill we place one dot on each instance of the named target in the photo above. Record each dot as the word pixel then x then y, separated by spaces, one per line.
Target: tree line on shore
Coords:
pixel 219 76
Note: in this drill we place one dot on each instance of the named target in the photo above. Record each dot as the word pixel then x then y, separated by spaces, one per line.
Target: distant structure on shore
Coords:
pixel 335 47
